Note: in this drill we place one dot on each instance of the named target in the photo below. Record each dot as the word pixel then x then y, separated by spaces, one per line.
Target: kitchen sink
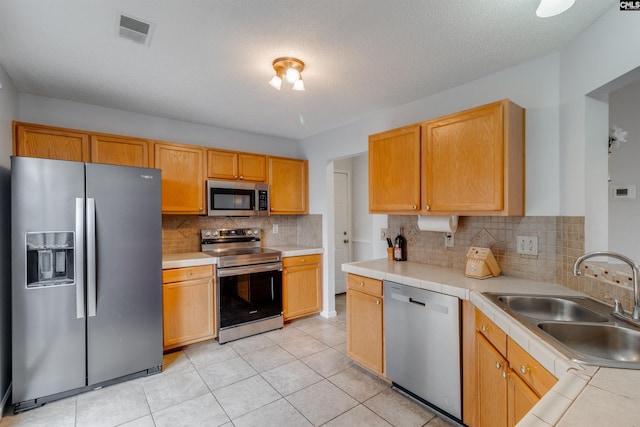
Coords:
pixel 551 308
pixel 582 328
pixel 607 342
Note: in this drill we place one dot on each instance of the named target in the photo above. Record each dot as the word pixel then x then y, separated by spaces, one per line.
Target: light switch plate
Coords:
pixel 527 245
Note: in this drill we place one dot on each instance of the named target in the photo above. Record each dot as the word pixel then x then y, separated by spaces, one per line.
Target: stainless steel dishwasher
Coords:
pixel 422 341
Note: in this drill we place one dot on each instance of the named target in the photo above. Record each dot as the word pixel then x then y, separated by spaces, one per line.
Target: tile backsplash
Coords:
pixel 560 242
pixel 181 233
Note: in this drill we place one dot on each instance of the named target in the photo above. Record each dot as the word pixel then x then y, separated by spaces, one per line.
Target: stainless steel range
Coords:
pixel 248 282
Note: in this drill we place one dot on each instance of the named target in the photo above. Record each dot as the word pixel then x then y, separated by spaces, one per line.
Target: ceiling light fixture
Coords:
pixel 548 8
pixel 289 69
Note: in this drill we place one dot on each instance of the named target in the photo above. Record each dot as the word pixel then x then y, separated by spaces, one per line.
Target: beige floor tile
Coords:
pixel 285 334
pixel 358 416
pixel 439 422
pixel 57 414
pixel 327 362
pixel 321 402
pixel 312 324
pixel 330 336
pixel 170 389
pixel 111 405
pixel 245 396
pixel 146 421
pixel 291 377
pixel 342 348
pixel 268 358
pixel 398 410
pixel 251 344
pixel 279 413
pixel 358 384
pixel 210 352
pixel 201 411
pixel 174 362
pixel 222 374
pixel 303 346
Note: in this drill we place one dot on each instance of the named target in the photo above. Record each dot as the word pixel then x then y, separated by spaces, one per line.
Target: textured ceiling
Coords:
pixel 209 60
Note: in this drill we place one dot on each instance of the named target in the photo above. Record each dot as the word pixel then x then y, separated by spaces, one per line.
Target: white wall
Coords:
pixel 76 115
pixel 624 168
pixel 8 113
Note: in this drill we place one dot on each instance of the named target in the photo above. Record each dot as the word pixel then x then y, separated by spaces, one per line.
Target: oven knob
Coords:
pixel 207 234
pixel 215 234
pixel 256 232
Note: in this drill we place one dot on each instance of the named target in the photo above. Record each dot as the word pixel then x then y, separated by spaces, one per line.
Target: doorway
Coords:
pixel 342 228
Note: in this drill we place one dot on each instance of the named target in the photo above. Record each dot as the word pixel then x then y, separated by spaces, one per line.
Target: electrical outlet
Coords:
pixel 274 230
pixel 527 245
pixel 448 240
pixel 383 233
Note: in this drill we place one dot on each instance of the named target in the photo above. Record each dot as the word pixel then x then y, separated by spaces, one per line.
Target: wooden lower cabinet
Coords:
pixel 508 381
pixel 365 327
pixel 301 286
pixel 188 305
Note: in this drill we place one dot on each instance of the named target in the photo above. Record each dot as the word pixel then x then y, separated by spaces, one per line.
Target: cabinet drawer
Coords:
pixel 187 273
pixel 491 332
pixel 531 372
pixel 293 261
pixel 364 284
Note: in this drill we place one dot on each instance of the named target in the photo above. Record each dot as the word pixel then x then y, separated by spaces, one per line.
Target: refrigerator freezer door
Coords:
pixel 125 335
pixel 48 321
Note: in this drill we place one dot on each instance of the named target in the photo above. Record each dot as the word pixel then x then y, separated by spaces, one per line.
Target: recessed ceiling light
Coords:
pixel 548 8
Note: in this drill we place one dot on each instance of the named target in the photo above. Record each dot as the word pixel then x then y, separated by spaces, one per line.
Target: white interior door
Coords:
pixel 342 229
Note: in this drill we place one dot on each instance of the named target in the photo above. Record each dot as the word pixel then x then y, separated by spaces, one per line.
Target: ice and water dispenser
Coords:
pixel 50 259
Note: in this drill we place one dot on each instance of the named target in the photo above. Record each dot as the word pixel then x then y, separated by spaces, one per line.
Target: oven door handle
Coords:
pixel 248 269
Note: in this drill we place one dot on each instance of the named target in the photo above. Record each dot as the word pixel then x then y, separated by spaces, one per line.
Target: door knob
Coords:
pixel 346 241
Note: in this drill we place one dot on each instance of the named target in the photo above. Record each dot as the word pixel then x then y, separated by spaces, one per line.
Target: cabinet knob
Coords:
pixel 241 177
pixel 200 208
pixel 524 369
pixel 235 177
pixel 414 207
pixel 427 207
pixel 302 260
pixel 377 302
pixel 361 283
pixel 189 274
pixel 498 365
pixel 483 328
pixel 504 374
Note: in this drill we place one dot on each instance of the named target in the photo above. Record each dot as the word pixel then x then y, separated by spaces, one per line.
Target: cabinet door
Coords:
pixel 182 177
pixel 188 312
pixel 50 143
pixel 289 185
pixel 301 291
pixel 252 167
pixel 122 151
pixel 491 397
pixel 222 164
pixel 365 339
pixel 394 170
pixel 463 161
pixel 521 399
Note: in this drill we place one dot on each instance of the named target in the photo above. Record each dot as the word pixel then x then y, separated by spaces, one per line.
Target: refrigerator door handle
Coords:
pixel 91 257
pixel 79 257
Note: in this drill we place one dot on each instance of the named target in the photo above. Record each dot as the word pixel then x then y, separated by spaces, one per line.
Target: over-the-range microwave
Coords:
pixel 228 198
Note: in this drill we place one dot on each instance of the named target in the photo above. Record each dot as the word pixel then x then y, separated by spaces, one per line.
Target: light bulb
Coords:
pixel 276 82
pixel 299 85
pixel 292 75
pixel 548 8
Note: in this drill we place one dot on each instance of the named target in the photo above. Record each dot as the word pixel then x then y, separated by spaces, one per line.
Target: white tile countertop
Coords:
pixel 297 250
pixel 583 396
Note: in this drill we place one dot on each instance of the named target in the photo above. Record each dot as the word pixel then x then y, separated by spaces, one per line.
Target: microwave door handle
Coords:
pixel 79 258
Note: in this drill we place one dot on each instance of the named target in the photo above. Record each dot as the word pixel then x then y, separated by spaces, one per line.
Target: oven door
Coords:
pixel 250 293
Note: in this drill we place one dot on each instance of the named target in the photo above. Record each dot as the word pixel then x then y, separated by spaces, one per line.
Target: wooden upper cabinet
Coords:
pixel 182 177
pixel 473 162
pixel 394 170
pixel 50 143
pixel 116 150
pixel 231 165
pixel 289 185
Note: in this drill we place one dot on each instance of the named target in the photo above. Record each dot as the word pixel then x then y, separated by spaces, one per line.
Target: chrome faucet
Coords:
pixel 634 272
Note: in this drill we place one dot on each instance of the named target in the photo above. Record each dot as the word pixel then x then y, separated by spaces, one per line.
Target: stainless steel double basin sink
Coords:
pixel 582 328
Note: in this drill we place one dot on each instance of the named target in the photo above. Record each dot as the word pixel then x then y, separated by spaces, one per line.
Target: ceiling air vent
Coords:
pixel 134 29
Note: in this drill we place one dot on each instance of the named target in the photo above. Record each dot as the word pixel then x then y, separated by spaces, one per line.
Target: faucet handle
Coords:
pixel 617 307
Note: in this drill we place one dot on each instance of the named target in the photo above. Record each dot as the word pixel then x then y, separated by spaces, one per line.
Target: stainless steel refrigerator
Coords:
pixel 86 277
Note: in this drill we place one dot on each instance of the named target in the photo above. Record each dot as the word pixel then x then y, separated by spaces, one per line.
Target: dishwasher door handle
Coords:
pixel 417 302
pixel 428 305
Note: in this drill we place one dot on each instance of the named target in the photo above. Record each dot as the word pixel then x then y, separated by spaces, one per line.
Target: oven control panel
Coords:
pixel 230 234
